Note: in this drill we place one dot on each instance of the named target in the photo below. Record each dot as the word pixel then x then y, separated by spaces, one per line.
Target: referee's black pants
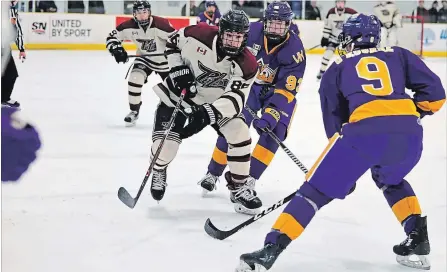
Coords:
pixel 9 79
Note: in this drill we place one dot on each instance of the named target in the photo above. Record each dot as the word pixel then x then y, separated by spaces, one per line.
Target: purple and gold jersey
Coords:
pixel 281 68
pixel 203 17
pixel 369 84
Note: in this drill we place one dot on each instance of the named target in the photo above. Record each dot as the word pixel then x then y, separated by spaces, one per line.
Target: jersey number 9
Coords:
pixel 380 73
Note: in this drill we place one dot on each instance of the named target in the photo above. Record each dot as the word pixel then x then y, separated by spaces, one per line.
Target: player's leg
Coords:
pixel 169 150
pixel 337 169
pixel 218 161
pixel 383 37
pixel 238 137
pixel 327 56
pixel 392 37
pixel 137 78
pixel 264 152
pixel 8 81
pixel 404 202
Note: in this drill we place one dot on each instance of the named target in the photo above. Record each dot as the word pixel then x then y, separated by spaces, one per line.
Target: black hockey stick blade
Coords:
pixel 215 232
pixel 126 198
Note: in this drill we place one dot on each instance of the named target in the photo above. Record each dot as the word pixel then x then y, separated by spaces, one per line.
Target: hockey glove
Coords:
pixel 120 54
pixel 268 120
pixel 324 42
pixel 198 118
pixel 182 78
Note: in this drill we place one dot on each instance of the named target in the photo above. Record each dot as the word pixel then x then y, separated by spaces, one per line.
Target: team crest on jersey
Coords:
pixel 255 49
pixel 266 74
pixel 339 24
pixel 201 50
pixel 211 79
pixel 148 45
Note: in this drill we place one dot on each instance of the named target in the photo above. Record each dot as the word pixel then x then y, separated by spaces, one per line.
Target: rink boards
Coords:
pixel 63 31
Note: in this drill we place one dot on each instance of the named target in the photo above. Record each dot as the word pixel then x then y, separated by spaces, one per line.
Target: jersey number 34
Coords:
pixel 380 73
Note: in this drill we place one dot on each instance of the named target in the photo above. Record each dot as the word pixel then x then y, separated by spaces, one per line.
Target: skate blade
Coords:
pixel 241 209
pixel 244 267
pixel 127 124
pixel 414 261
pixel 205 192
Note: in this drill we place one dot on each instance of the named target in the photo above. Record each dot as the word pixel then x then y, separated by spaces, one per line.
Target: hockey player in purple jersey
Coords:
pixel 372 124
pixel 281 59
pixel 211 15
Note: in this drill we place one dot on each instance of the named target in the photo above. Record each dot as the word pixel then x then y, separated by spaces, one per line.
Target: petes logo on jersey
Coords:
pixel 255 49
pixel 148 45
pixel 211 79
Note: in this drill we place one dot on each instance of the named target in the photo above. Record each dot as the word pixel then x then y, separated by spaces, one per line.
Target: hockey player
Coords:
pixel 282 61
pixel 149 33
pixel 332 28
pixel 211 15
pixel 391 20
pixel 215 62
pixel 364 92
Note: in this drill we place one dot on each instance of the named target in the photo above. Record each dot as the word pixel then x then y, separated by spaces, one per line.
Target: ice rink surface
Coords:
pixel 64 215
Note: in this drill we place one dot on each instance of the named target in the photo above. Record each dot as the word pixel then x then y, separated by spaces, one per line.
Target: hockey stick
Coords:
pixel 123 194
pixel 216 233
pixel 146 55
pixel 281 144
pixel 312 47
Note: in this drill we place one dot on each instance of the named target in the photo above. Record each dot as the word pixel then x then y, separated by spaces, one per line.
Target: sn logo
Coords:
pixel 269 210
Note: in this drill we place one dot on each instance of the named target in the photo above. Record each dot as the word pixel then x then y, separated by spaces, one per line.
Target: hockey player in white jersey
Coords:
pixel 217 65
pixel 149 33
pixel 333 24
pixel 391 20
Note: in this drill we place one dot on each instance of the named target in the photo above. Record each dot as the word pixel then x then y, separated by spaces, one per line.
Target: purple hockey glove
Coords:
pixel 20 141
pixel 269 120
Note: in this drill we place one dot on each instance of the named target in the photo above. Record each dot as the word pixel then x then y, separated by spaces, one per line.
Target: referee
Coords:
pixel 10 74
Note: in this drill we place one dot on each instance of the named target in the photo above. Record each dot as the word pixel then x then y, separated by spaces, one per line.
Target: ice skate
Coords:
pixel 244 198
pixel 11 104
pixel 131 118
pixel 261 260
pixel 158 186
pixel 414 251
pixel 208 183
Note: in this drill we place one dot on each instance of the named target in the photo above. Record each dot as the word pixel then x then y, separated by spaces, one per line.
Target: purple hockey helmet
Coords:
pixel 210 3
pixel 277 19
pixel 359 31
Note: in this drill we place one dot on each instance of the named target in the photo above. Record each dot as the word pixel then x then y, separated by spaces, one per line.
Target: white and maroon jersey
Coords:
pixel 333 24
pixel 148 39
pixel 388 14
pixel 224 83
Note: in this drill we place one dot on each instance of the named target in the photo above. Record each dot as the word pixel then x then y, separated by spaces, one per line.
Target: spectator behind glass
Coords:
pixel 421 11
pixel 433 12
pixel 312 11
pixel 442 13
pixel 253 9
pixel 96 7
pixel 43 6
pixel 193 9
pixel 76 7
pixel 297 7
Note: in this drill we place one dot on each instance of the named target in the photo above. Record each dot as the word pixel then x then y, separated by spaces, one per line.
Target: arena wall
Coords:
pixel 65 31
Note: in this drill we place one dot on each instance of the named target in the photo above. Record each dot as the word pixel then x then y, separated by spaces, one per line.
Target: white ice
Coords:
pixel 64 214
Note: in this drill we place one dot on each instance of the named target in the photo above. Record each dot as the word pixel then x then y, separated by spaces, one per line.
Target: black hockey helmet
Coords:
pixel 233 21
pixel 140 8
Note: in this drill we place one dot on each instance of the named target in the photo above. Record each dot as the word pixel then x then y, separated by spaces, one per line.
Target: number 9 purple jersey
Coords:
pixel 367 86
pixel 20 141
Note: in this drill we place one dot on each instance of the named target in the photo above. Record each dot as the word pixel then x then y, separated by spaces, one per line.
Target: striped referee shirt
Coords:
pixel 14 16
